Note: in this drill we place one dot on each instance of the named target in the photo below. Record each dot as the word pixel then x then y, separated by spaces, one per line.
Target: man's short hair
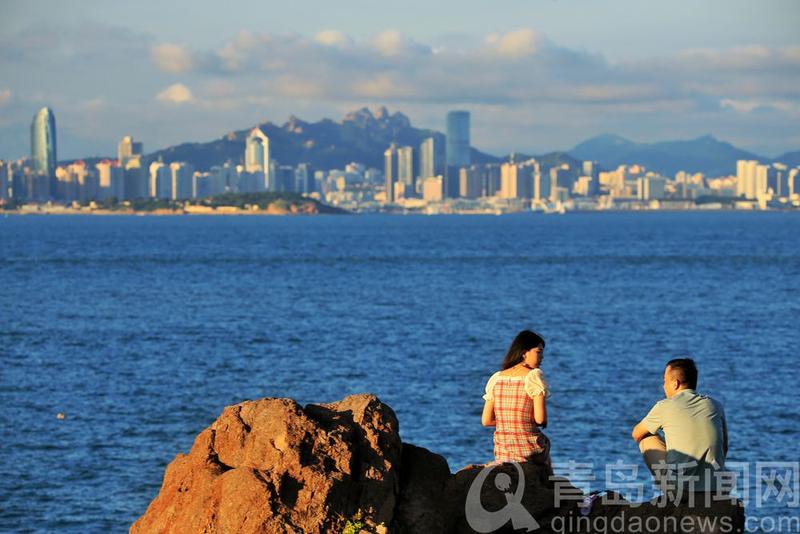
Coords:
pixel 685 371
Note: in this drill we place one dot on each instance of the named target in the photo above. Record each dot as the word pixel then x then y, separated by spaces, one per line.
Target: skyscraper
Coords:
pixel 160 181
pixel 111 180
pixel 304 178
pixel 405 169
pixel 390 159
pixel 457 153
pixel 181 175
pixel 516 180
pixel 470 183
pixel 256 157
pixel 128 149
pixel 746 178
pixel 429 156
pixel 43 146
pixel 131 158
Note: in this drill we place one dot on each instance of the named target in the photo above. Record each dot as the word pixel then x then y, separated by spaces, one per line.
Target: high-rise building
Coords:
pixel 5 174
pixel 541 186
pixel 777 180
pixel 559 186
pixel 793 182
pixel 130 155
pixel 432 189
pixel 111 180
pixel 257 157
pixel 651 187
pixel 160 181
pixel 457 150
pixel 304 178
pixel 429 158
pixel 406 169
pixel 136 182
pixel 129 149
pixel 43 146
pixel 469 182
pixel 490 179
pixel 746 180
pixel 458 147
pixel 181 175
pixel 390 172
pixel 516 180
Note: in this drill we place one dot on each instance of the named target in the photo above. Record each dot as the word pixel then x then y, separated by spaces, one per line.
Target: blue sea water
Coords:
pixel 141 329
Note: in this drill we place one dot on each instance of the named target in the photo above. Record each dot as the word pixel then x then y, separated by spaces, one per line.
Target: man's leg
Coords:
pixel 654 452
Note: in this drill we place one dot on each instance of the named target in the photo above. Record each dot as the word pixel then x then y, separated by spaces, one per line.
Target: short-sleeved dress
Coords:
pixel 517 437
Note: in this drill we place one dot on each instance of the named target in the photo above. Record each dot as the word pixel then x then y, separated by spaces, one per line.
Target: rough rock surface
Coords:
pixel 273 466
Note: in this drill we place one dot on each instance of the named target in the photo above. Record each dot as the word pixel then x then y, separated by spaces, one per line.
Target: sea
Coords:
pixel 141 329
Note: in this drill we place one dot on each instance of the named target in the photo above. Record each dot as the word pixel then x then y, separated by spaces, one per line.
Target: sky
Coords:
pixel 537 75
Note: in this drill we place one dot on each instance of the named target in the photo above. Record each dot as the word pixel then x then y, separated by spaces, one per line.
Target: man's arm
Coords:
pixel 649 425
pixel 640 432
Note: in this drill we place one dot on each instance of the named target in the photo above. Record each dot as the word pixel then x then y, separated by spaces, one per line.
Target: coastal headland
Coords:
pixel 225 204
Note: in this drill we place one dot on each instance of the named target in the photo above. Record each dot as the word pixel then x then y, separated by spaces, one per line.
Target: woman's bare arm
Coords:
pixel 540 410
pixel 487 418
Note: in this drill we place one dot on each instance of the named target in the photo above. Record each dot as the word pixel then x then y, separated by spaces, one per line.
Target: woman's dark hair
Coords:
pixel 525 341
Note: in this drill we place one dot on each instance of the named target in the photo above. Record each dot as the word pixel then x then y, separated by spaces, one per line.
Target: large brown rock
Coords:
pixel 273 466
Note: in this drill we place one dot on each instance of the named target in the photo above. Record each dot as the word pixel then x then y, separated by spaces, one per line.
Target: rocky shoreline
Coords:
pixel 274 466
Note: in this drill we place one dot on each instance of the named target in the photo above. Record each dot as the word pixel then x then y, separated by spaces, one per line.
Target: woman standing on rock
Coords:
pixel 516 403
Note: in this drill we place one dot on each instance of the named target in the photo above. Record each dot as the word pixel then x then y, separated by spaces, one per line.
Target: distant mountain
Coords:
pixel 705 154
pixel 792 159
pixel 360 136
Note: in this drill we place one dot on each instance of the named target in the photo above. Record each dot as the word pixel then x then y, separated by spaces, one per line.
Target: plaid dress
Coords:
pixel 517 437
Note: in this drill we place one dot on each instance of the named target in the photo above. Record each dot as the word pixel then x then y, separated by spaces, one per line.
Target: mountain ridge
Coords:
pixel 362 135
pixel 705 154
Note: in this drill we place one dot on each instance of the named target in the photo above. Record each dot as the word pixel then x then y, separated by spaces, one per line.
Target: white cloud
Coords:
pixel 332 38
pixel 5 96
pixel 515 44
pixel 171 58
pixel 176 93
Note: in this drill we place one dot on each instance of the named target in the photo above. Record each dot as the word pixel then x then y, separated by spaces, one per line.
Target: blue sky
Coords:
pixel 538 75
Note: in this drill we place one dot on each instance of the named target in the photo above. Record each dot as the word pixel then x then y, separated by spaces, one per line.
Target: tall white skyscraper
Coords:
pixel 257 157
pixel 405 168
pixel 390 161
pixel 429 164
pixel 747 179
pixel 160 180
pixel 111 180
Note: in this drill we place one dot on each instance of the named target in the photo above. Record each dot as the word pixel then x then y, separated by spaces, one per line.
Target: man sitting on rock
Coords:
pixel 695 435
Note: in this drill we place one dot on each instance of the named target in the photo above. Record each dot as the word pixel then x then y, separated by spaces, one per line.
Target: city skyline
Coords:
pixel 533 86
pixel 412 177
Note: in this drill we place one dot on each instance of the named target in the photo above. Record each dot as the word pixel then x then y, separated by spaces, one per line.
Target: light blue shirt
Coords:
pixel 694 428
